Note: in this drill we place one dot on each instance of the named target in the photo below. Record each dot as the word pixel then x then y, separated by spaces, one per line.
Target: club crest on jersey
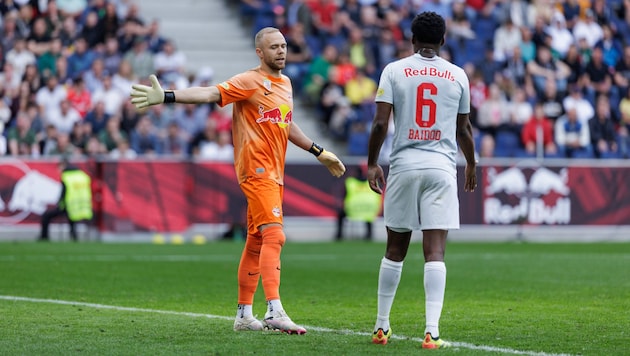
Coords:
pixel 282 115
pixel 276 211
pixel 267 84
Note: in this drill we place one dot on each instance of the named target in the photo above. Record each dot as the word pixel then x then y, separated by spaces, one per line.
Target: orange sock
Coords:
pixel 272 242
pixel 249 270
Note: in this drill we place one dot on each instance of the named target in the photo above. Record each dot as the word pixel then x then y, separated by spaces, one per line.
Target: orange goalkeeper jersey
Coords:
pixel 262 116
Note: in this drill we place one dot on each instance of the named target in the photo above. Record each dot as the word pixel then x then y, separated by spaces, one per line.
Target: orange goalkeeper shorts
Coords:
pixel 264 202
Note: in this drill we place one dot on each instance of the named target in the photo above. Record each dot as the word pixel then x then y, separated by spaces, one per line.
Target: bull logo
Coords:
pixel 510 197
pixel 32 193
pixel 282 115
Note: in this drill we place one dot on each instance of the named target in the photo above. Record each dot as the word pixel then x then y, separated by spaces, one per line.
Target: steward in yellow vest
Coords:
pixel 360 204
pixel 75 201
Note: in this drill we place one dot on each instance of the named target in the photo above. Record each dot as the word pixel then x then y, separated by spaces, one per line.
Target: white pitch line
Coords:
pixel 463 345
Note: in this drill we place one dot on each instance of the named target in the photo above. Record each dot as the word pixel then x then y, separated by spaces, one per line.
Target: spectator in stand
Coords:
pixel 122 79
pixel 50 96
pixel 112 133
pixel 19 57
pixel 110 20
pixel 537 134
pixel 93 30
pixel 111 57
pixel 97 117
pixel 551 102
pixel 323 12
pixel 204 137
pixel 32 78
pixel 493 111
pixel 318 72
pixel 219 150
pixel 22 138
pixel 598 79
pixel 191 119
pixel 80 135
pixel 64 146
pixel 573 136
pixel 588 29
pixel 49 140
pixel 174 142
pixel 140 58
pixel 506 38
pixel 122 151
pixel 61 70
pixel 8 32
pixel 360 91
pixel 561 36
pixel 612 50
pixel 94 77
pixel 129 117
pixel 602 129
pixel 47 62
pixel 622 71
pixel 574 60
pixel 299 56
pixel 360 52
pixel 69 32
pixel 624 126
pixel 170 63
pixel 153 37
pixel 143 139
pixel 64 117
pixel 38 42
pixel 110 96
pixel 79 97
pixel 545 68
pixel 571 10
pixel 127 36
pixel 81 59
pixel 575 100
pixel 519 110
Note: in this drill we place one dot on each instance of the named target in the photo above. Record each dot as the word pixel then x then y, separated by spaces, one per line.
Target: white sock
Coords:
pixel 434 286
pixel 274 304
pixel 244 311
pixel 388 279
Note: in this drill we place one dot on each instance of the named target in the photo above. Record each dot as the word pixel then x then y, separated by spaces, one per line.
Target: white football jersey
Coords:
pixel 426 94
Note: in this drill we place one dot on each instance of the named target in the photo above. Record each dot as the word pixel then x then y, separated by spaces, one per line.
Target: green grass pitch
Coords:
pixel 144 299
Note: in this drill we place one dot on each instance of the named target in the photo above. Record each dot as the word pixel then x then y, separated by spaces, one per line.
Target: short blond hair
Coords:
pixel 259 36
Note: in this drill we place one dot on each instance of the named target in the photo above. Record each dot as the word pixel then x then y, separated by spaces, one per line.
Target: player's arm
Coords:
pixel 467 145
pixel 143 96
pixel 378 133
pixel 327 158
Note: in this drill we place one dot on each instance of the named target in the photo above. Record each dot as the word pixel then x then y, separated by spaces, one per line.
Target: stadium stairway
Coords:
pixel 211 34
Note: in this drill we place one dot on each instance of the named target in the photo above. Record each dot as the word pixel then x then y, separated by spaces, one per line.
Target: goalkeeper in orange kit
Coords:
pixel 262 126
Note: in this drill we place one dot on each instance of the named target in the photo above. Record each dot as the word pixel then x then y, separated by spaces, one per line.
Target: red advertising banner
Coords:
pixel 171 196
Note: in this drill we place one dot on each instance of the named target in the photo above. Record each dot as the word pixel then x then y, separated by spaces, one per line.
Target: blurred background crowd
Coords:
pixel 548 78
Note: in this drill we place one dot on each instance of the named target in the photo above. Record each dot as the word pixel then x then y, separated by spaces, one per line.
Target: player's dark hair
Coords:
pixel 428 27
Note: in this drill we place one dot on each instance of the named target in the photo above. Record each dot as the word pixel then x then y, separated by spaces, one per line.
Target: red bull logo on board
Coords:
pixel 511 197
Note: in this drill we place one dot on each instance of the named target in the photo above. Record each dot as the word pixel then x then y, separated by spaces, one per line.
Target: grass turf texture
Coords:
pixel 509 298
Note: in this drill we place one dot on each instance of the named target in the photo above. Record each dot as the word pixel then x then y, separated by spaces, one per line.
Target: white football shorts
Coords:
pixel 421 199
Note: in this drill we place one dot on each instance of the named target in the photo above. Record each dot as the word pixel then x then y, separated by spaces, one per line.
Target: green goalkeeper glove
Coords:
pixel 143 96
pixel 334 164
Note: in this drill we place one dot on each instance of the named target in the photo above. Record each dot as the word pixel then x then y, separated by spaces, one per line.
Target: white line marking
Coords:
pixel 315 328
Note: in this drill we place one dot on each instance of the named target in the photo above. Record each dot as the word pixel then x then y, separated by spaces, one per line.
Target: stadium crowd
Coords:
pixel 548 77
pixel 67 67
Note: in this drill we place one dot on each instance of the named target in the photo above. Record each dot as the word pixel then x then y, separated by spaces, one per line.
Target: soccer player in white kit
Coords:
pixel 430 99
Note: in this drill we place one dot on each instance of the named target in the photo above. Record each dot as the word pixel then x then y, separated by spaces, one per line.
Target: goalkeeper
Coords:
pixel 261 128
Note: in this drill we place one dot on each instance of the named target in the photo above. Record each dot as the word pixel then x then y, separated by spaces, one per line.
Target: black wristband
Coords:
pixel 169 97
pixel 316 149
